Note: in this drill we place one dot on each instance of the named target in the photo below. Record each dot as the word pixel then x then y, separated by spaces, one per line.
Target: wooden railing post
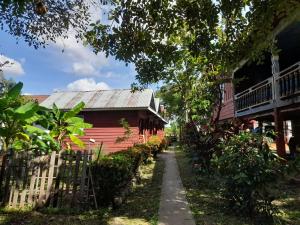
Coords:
pixel 275 72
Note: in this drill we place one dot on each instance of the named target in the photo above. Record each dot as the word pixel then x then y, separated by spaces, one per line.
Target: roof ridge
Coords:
pixel 118 89
pixel 37 95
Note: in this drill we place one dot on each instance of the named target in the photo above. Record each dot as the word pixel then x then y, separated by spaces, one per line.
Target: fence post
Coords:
pixel 50 175
pixel 75 179
pixel 57 180
pixel 2 172
pixel 8 175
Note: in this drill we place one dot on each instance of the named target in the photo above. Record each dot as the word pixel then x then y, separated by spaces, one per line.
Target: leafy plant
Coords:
pixel 112 173
pixel 127 133
pixel 65 127
pixel 33 20
pixel 16 117
pixel 250 171
pixel 144 150
pixel 153 143
pixel 201 144
pixel 27 126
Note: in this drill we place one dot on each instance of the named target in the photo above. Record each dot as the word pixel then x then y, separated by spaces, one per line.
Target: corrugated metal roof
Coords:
pixel 101 99
pixel 38 98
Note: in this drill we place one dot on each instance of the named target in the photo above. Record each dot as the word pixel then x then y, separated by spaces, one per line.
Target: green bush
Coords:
pixel 156 144
pixel 144 150
pixel 202 145
pixel 164 144
pixel 112 173
pixel 250 171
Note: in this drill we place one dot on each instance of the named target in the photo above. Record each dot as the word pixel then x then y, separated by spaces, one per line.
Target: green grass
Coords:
pixel 209 208
pixel 140 208
pixel 289 203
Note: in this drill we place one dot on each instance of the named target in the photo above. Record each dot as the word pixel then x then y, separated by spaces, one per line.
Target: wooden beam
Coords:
pixel 280 145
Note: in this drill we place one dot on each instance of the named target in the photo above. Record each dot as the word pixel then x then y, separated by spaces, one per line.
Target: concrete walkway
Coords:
pixel 173 208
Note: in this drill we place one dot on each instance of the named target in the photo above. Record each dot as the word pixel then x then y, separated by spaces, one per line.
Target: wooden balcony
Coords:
pixel 288 81
pixel 280 90
pixel 257 96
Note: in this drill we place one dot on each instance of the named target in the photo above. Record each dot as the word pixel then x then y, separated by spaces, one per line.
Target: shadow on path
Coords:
pixel 174 208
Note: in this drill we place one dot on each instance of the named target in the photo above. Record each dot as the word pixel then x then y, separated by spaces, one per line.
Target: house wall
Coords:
pixel 107 128
pixel 110 118
pixel 227 111
pixel 109 135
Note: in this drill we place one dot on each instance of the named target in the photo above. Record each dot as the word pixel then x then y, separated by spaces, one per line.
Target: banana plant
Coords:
pixel 65 126
pixel 15 115
pixel 24 125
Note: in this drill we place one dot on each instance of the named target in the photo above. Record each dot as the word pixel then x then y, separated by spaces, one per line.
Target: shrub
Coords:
pixel 114 172
pixel 250 171
pixel 201 144
pixel 145 151
pixel 157 144
pixel 154 143
pixel 164 144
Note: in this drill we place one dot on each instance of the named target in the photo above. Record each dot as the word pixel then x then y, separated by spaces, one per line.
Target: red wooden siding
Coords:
pixel 109 136
pixel 110 118
pixel 161 133
pixel 107 128
pixel 227 111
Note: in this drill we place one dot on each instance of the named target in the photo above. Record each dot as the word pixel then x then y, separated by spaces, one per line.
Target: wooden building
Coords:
pixel 105 108
pixel 269 92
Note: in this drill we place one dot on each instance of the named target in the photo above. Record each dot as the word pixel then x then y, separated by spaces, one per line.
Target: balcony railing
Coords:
pixel 257 95
pixel 288 81
pixel 278 90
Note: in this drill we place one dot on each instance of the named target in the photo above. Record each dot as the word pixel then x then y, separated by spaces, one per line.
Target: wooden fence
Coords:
pixel 61 179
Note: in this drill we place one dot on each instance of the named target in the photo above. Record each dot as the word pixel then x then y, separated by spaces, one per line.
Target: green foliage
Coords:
pixel 145 151
pixel 65 126
pixel 114 172
pixel 164 144
pixel 33 21
pixel 5 84
pixel 24 124
pixel 154 143
pixel 201 145
pixel 220 32
pixel 250 171
pixel 193 46
pixel 127 133
pixel 16 115
pixel 173 130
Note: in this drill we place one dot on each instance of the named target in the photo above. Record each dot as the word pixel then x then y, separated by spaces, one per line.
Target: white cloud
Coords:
pixel 79 59
pixel 87 84
pixel 13 68
pixel 84 69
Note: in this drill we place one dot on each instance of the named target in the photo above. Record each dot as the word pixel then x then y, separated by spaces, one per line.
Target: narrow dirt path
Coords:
pixel 174 208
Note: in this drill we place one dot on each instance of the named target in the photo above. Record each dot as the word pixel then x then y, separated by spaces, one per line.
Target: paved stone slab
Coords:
pixel 174 208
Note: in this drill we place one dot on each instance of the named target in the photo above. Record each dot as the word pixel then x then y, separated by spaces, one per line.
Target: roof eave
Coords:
pixel 109 109
pixel 159 116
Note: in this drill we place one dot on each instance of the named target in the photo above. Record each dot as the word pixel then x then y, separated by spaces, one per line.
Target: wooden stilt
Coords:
pixel 280 145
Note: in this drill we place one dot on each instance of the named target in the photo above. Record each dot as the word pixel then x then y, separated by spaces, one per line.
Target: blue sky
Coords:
pixel 77 68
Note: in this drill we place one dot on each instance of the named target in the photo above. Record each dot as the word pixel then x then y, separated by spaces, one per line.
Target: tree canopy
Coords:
pixel 41 21
pixel 153 34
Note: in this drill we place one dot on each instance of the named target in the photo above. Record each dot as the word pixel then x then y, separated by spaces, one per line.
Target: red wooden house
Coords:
pixel 269 93
pixel 105 108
